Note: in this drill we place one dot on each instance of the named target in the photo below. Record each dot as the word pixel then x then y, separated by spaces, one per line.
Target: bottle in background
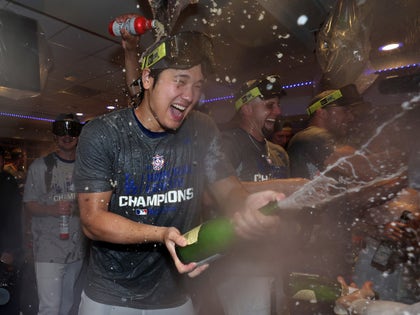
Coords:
pixel 64 227
pixel 312 288
pixel 135 26
pixel 388 253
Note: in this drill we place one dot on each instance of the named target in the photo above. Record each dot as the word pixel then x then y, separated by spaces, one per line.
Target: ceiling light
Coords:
pixel 391 46
pixel 302 20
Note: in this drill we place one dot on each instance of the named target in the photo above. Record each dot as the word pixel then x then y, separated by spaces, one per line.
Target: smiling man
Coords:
pixel 140 174
pixel 48 196
pixel 247 274
pixel 254 157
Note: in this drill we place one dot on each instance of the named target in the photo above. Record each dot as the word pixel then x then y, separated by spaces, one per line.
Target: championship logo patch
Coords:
pixel 158 162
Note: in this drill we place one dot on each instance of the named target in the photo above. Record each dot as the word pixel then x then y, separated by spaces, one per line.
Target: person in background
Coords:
pixel 10 241
pixel 282 133
pixel 257 105
pixel 16 166
pixel 247 278
pixel 49 195
pixel 325 240
pixel 140 174
pixel 329 120
pixel 386 250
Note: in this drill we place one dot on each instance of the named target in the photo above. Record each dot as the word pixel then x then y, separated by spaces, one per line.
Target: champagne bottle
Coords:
pixel 312 288
pixel 389 252
pixel 211 239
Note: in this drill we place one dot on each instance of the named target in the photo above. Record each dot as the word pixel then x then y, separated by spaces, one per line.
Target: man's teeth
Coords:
pixel 270 120
pixel 179 107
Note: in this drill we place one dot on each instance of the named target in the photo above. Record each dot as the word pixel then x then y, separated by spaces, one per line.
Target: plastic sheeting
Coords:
pixel 167 12
pixel 343 48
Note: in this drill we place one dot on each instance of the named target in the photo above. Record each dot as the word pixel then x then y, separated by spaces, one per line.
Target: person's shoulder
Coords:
pixel 200 120
pixel 309 134
pixel 108 121
pixel 276 147
pixel 40 161
pixel 119 113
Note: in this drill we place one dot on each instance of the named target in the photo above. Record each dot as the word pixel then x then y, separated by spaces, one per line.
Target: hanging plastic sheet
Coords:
pixel 343 48
pixel 167 12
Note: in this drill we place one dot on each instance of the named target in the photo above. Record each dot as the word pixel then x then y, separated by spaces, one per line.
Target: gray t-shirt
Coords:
pixel 157 179
pixel 253 160
pixel 47 245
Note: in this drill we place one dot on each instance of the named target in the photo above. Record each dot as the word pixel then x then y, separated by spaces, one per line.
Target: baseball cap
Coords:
pixel 345 96
pixel 67 124
pixel 266 88
pixel 180 51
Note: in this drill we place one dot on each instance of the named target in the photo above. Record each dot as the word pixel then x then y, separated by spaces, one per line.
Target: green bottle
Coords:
pixel 213 238
pixel 312 288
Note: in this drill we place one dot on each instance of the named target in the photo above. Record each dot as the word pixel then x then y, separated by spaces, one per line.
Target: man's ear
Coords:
pixel 146 79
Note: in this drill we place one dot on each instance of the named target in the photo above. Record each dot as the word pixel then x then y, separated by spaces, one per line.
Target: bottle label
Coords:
pixel 192 235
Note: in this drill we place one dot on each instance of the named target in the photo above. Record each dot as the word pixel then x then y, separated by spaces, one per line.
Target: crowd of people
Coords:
pixel 110 205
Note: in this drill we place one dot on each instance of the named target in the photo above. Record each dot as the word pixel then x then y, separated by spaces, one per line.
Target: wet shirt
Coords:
pixel 308 150
pixel 253 160
pixel 156 179
pixel 47 245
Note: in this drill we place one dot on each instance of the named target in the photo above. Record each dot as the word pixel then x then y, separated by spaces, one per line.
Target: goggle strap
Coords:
pixel 330 98
pixel 157 54
pixel 251 94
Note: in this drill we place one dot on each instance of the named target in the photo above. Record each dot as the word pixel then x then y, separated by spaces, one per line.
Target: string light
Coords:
pixel 289 86
pixel 25 117
pixel 413 65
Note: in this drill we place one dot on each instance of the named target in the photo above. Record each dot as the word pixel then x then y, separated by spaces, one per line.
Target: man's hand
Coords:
pixel 173 237
pixel 129 42
pixel 344 302
pixel 251 223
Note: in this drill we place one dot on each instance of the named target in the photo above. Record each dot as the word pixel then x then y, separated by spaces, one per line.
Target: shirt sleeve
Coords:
pixel 94 158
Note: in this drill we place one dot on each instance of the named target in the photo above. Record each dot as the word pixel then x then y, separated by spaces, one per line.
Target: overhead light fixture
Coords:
pixel 302 20
pixel 389 47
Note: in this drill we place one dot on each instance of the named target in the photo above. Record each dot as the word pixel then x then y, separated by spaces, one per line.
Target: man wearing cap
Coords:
pixel 256 159
pixel 325 240
pixel 329 119
pixel 140 174
pixel 49 194
pixel 247 276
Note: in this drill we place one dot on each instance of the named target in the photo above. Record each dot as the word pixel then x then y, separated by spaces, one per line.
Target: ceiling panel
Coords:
pixel 251 37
